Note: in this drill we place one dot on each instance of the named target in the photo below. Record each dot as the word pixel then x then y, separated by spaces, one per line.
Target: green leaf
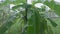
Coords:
pixel 49 30
pixel 4 27
pixel 17 6
pixel 37 22
pixel 53 6
pixel 52 22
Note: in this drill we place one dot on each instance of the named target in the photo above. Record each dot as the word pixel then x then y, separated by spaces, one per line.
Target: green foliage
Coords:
pixel 53 6
pixel 52 22
pixel 31 21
